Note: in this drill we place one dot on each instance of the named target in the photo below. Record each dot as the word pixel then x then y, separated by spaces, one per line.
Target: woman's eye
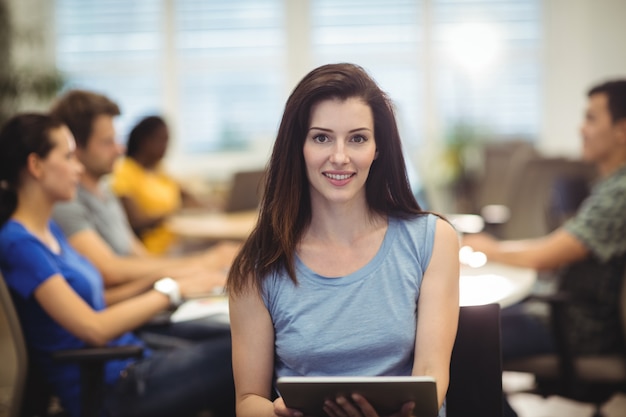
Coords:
pixel 359 139
pixel 320 138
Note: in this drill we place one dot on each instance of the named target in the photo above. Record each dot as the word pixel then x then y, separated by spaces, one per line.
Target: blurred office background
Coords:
pixel 462 73
pixel 459 71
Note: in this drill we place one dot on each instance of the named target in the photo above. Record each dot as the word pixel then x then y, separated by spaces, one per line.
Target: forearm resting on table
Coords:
pixel 552 251
pixel 121 292
pixel 96 328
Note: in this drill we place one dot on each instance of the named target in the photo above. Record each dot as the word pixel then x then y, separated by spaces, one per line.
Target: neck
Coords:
pixel 34 210
pixel 343 223
pixel 146 163
pixel 90 182
pixel 607 168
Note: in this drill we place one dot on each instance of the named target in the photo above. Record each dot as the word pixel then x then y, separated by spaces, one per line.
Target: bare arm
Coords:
pixel 253 354
pixel 557 249
pixel 189 199
pixel 121 292
pixel 438 310
pixel 137 248
pixel 136 217
pixel 96 328
pixel 117 270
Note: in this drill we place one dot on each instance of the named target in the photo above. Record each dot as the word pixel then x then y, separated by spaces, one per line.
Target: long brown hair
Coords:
pixel 285 210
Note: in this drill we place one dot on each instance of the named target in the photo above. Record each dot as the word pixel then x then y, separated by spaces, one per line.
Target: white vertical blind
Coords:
pixel 488 65
pixel 384 37
pixel 218 69
pixel 230 56
pixel 113 47
pixel 225 65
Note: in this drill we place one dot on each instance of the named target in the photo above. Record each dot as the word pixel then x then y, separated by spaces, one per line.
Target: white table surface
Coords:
pixel 213 225
pixel 495 283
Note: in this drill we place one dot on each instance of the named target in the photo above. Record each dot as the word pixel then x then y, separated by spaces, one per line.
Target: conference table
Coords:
pixel 495 283
pixel 211 226
pixel 484 283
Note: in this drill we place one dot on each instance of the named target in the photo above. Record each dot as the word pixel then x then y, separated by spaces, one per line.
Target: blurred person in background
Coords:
pixel 94 221
pixel 59 295
pixel 588 250
pixel 148 193
pixel 96 225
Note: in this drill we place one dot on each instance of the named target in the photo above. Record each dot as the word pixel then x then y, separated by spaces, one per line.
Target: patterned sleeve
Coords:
pixel 600 223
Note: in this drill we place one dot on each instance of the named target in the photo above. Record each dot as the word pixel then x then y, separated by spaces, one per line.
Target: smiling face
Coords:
pixel 339 150
pixel 59 172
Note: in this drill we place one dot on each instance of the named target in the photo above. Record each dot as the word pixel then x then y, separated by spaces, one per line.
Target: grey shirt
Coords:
pixel 103 214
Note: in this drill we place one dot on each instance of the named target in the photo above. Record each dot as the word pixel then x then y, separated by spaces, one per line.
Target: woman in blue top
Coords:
pixel 329 281
pixel 59 294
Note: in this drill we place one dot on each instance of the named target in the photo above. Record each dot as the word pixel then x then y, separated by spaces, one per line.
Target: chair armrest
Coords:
pixel 558 301
pixel 91 361
pixel 98 354
pixel 555 299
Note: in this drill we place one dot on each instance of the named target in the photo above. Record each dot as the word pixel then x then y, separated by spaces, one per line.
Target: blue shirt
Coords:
pixel 361 324
pixel 26 263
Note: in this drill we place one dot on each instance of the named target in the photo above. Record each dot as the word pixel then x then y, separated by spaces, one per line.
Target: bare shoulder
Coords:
pixel 244 302
pixel 444 231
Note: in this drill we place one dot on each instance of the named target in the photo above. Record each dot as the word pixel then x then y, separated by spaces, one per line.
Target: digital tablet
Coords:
pixel 385 393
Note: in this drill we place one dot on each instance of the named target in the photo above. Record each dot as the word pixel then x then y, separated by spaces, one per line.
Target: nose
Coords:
pixel 582 129
pixel 339 155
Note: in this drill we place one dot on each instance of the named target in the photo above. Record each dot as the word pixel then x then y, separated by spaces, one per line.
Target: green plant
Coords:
pixel 20 84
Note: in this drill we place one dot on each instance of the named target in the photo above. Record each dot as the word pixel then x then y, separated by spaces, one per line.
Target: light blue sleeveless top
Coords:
pixel 361 324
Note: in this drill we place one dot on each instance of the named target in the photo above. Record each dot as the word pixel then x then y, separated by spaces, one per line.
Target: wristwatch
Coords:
pixel 170 288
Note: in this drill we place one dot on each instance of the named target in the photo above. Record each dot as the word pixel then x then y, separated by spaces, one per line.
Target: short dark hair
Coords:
pixel 141 132
pixel 79 108
pixel 615 91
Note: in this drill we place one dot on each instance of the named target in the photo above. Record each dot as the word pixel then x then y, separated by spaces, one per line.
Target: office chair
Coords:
pixel 541 190
pixel 586 378
pixel 476 365
pixel 30 394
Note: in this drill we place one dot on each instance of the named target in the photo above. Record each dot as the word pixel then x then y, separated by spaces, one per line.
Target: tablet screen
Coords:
pixel 386 394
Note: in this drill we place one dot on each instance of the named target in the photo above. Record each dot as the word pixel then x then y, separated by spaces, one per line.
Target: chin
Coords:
pixel 68 197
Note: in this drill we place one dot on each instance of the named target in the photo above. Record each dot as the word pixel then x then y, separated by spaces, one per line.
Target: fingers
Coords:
pixel 281 410
pixel 358 406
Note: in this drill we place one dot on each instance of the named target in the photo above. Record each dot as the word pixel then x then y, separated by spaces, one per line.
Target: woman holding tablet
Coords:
pixel 344 274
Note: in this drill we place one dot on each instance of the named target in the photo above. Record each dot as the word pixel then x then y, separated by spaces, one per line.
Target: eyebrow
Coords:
pixel 330 130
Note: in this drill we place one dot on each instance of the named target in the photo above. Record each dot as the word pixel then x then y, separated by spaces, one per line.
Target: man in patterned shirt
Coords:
pixel 589 250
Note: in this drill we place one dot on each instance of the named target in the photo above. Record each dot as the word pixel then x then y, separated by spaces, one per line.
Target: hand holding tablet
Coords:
pixel 386 394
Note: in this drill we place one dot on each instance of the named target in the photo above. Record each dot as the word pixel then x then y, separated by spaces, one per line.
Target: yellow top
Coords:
pixel 155 193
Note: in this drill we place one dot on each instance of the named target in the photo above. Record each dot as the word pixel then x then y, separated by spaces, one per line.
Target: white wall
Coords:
pixel 584 46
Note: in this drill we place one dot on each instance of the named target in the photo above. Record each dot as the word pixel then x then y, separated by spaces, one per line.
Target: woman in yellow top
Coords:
pixel 149 195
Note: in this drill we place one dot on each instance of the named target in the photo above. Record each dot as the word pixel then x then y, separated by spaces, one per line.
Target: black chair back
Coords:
pixel 476 366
